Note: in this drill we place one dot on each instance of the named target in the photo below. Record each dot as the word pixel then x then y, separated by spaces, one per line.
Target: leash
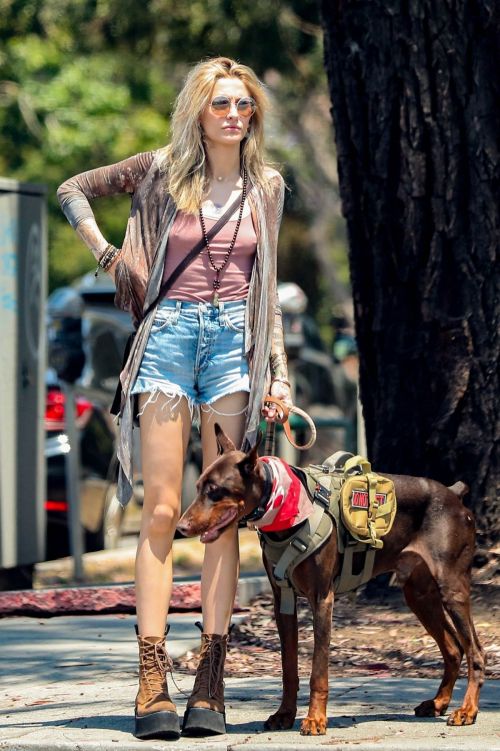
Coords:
pixel 270 439
pixel 284 413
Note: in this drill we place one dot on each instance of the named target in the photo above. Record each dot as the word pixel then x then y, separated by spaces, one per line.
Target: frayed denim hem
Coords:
pixel 174 400
pixel 172 403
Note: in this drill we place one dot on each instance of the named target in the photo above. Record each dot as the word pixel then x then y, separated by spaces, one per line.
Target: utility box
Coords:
pixel 23 292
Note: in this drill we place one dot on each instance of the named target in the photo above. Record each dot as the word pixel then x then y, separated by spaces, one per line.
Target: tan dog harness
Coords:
pixel 340 488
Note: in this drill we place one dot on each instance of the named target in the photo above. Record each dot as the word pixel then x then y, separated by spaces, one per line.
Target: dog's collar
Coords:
pixel 260 510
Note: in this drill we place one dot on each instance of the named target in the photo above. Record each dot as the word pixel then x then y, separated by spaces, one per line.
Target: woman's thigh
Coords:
pixel 230 412
pixel 165 426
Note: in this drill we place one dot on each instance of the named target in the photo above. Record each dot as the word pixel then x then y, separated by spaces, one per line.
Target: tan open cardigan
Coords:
pixel 139 272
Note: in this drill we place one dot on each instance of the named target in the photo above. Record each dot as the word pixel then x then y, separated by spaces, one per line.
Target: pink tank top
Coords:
pixel 195 282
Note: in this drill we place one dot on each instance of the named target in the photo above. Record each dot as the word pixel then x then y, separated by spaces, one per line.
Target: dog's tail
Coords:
pixel 459 488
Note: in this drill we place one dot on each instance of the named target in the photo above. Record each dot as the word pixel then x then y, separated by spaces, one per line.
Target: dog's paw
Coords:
pixel 311 726
pixel 462 717
pixel 280 720
pixel 429 709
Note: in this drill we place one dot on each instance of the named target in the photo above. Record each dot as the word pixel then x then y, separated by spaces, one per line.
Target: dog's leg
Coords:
pixel 284 718
pixel 456 600
pixel 448 553
pixel 448 565
pixel 422 596
pixel 316 720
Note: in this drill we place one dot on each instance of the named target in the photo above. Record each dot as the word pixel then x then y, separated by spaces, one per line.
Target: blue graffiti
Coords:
pixel 8 301
pixel 8 264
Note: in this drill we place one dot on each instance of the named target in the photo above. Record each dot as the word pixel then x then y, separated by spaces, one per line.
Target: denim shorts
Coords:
pixel 195 350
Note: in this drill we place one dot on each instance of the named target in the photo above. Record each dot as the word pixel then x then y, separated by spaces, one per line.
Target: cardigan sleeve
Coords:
pixel 75 194
pixel 278 359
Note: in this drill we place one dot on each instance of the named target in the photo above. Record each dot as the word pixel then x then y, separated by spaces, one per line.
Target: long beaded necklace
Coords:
pixel 218 269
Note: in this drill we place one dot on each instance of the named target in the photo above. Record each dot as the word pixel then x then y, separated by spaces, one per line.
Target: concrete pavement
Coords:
pixel 69 683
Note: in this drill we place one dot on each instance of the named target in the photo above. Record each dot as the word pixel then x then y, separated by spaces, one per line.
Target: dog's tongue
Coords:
pixel 210 535
pixel 213 533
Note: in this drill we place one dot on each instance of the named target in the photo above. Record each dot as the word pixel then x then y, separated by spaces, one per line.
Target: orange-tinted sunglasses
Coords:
pixel 221 106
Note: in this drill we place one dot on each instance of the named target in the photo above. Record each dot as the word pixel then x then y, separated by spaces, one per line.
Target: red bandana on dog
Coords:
pixel 288 503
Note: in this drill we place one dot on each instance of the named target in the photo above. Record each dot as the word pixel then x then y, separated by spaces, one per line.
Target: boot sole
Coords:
pixel 163 725
pixel 199 721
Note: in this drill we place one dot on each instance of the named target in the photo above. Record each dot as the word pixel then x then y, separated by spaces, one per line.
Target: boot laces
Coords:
pixel 156 664
pixel 210 668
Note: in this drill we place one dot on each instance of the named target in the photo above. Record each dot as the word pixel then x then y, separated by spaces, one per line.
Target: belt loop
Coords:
pixel 177 311
pixel 222 315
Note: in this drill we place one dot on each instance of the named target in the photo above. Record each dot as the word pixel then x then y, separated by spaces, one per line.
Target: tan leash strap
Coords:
pixel 283 414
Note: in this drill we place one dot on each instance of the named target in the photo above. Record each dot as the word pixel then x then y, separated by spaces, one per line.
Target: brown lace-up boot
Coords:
pixel 205 712
pixel 155 713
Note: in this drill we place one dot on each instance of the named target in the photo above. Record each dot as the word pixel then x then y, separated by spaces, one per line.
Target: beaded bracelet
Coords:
pixel 107 258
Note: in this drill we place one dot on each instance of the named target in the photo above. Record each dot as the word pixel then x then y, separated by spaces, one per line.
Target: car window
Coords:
pixel 105 338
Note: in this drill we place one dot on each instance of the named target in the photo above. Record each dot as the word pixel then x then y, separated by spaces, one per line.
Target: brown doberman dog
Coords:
pixel 430 549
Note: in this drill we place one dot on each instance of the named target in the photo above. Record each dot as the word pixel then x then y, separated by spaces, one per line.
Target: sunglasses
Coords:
pixel 221 106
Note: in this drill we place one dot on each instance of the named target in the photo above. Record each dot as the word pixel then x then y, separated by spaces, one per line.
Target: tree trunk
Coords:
pixel 416 109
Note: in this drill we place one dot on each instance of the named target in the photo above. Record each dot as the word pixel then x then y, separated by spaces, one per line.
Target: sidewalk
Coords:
pixel 69 683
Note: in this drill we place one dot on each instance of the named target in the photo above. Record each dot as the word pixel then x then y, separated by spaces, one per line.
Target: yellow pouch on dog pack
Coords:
pixel 367 502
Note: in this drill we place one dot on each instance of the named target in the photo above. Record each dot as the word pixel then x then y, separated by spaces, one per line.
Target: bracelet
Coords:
pixel 281 380
pixel 107 258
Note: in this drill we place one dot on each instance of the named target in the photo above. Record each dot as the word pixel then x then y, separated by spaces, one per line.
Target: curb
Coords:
pixel 113 598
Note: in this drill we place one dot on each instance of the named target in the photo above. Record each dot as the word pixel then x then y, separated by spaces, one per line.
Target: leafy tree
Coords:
pixel 83 83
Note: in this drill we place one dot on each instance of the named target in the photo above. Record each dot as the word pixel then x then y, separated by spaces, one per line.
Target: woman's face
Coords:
pixel 231 128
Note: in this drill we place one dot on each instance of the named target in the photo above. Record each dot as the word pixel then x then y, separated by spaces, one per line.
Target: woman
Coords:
pixel 211 347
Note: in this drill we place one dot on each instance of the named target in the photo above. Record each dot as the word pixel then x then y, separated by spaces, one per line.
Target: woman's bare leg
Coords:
pixel 165 427
pixel 221 563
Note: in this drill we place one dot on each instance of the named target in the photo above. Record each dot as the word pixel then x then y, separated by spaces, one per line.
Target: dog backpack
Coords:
pixel 367 502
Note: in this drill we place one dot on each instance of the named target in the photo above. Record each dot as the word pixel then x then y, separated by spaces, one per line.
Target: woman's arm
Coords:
pixel 280 386
pixel 76 193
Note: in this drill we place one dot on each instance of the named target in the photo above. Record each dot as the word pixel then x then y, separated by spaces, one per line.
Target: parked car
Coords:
pixel 308 358
pixel 105 330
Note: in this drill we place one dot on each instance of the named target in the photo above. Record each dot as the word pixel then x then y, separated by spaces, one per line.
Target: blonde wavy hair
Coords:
pixel 183 161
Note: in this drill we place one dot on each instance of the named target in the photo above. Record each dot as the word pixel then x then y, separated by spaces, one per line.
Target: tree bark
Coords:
pixel 416 108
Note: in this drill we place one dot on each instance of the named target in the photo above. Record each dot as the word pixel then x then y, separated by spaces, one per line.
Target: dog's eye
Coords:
pixel 215 492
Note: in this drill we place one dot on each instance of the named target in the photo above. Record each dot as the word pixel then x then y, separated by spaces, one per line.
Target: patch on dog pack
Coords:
pixel 359 499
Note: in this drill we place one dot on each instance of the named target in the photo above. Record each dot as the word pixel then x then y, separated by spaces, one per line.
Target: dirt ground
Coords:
pixel 371 635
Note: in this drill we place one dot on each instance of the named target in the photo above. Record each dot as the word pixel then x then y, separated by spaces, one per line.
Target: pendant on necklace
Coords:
pixel 215 299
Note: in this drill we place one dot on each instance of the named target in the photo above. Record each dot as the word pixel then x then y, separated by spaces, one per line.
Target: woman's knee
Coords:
pixel 161 516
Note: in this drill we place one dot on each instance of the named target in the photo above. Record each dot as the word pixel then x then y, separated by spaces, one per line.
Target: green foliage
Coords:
pixel 85 83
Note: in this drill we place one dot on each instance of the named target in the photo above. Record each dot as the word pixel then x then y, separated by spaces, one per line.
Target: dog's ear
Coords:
pixel 223 442
pixel 248 464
